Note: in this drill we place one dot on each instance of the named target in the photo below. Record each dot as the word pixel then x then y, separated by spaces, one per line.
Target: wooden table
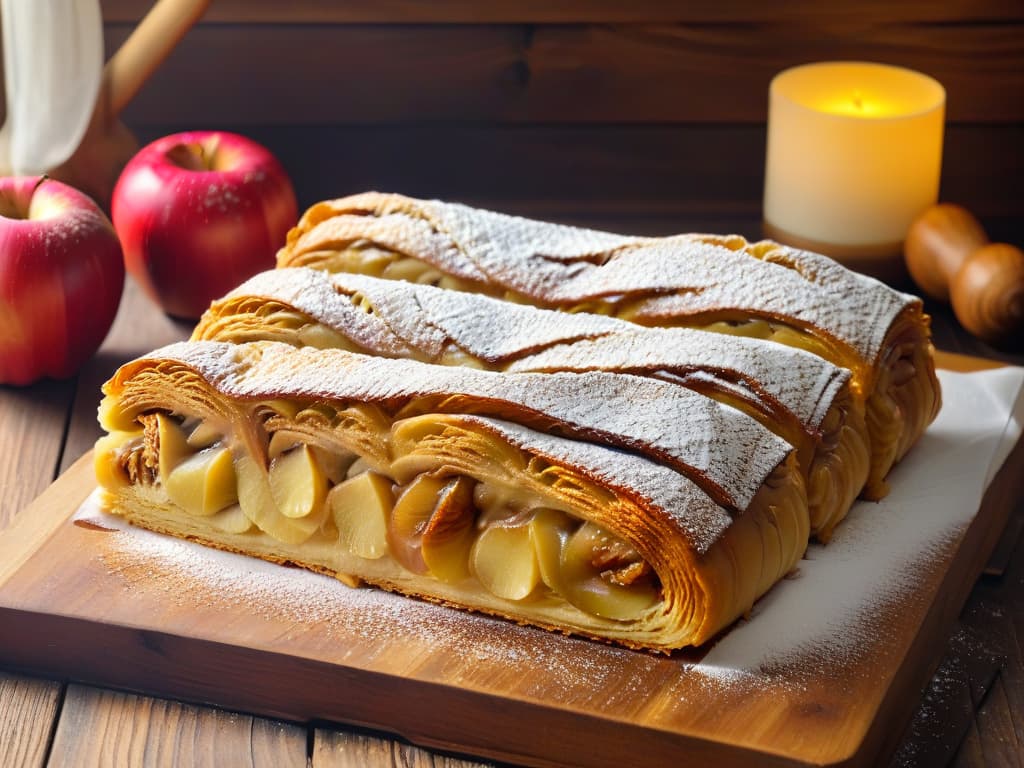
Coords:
pixel 972 714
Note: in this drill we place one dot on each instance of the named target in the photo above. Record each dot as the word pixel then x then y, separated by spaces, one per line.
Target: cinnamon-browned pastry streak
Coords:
pixel 617 512
pixel 723 284
pixel 801 397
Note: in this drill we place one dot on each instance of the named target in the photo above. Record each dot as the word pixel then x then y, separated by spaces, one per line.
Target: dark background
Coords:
pixel 637 115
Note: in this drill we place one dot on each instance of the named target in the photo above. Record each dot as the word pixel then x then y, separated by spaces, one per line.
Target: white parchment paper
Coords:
pixel 826 617
pixel 876 554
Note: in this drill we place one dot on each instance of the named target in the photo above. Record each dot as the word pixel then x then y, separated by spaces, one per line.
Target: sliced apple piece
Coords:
pixel 504 561
pixel 431 526
pixel 106 454
pixel 203 435
pixel 361 507
pixel 357 467
pixel 409 520
pixel 297 483
pixel 549 532
pixel 449 534
pixel 412 270
pixel 232 520
pixel 334 463
pixel 282 441
pixel 204 483
pixel 584 586
pixel 173 446
pixel 321 337
pixel 257 502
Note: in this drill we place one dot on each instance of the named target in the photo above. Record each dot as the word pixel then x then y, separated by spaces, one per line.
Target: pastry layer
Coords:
pixel 265 449
pixel 801 397
pixel 724 284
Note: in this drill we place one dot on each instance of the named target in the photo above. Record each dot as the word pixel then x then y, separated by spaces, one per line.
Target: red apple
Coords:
pixel 61 275
pixel 198 213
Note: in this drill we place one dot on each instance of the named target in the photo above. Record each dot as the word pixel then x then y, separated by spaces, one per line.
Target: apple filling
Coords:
pixel 899 395
pixel 434 522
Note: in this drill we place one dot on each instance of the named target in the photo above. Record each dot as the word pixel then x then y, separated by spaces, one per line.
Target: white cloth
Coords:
pixel 53 64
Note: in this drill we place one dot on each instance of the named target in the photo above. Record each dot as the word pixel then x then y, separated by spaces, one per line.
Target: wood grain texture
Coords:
pixel 28 708
pixel 634 179
pixel 33 420
pixel 963 678
pixel 995 612
pixel 1001 743
pixel 193 658
pixel 347 749
pixel 572 11
pixel 552 73
pixel 106 728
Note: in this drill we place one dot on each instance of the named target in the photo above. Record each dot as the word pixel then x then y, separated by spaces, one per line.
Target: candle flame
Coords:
pixel 858 101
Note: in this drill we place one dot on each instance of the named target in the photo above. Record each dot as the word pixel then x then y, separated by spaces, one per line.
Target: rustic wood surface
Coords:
pixel 649 111
pixel 970 703
pixel 521 116
pixel 586 73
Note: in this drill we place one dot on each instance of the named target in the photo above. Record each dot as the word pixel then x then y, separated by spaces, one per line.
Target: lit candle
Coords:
pixel 854 154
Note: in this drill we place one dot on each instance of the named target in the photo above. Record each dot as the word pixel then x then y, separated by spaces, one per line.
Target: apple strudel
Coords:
pixel 801 397
pixel 609 505
pixel 722 284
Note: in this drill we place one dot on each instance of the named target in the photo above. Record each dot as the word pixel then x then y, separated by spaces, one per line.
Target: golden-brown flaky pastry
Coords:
pixel 723 284
pixel 605 504
pixel 799 396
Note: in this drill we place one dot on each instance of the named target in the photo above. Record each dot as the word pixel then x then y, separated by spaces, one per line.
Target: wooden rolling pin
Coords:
pixel 108 144
pixel 950 258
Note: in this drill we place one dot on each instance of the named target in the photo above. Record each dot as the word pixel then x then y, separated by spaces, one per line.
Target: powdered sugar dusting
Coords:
pixel 356 622
pixel 556 265
pixel 722 449
pixel 422 322
pixel 835 609
pixel 833 620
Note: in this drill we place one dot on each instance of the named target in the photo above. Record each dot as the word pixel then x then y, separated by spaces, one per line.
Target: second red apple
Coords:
pixel 199 212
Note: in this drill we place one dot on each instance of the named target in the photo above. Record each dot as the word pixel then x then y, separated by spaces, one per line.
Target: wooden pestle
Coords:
pixel 950 258
pixel 108 144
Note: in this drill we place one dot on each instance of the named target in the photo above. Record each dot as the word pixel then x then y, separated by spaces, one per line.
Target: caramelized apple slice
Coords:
pixel 257 502
pixel 431 526
pixel 585 587
pixel 334 464
pixel 232 520
pixel 449 534
pixel 504 561
pixel 282 441
pixel 204 483
pixel 361 507
pixel 549 532
pixel 409 519
pixel 173 446
pixel 297 484
pixel 105 457
pixel 203 435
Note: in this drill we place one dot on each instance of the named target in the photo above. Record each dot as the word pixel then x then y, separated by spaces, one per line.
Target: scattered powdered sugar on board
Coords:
pixel 187 573
pixel 834 610
pixel 831 614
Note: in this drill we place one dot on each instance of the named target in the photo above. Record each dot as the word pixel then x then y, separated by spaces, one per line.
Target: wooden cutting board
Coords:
pixel 81 599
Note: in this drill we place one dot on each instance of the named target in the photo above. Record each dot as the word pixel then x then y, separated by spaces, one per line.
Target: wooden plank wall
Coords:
pixel 644 115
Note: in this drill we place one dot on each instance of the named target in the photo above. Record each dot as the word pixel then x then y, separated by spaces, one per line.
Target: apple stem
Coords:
pixel 189 156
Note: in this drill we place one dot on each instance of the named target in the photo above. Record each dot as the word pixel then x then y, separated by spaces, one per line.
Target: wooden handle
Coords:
pixel 937 245
pixel 949 256
pixel 146 48
pixel 988 294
